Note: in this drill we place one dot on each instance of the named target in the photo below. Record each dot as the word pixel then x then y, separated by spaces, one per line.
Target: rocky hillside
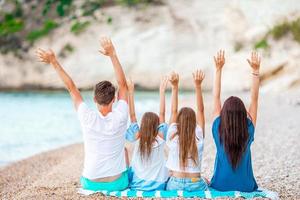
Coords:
pixel 156 38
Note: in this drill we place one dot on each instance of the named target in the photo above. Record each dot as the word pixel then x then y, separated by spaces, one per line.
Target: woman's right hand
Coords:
pixel 254 62
pixel 220 59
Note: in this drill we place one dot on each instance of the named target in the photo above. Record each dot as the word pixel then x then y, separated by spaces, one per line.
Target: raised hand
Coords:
pixel 163 84
pixel 220 59
pixel 219 62
pixel 46 56
pixel 198 76
pixel 130 85
pixel 174 79
pixel 162 104
pixel 50 58
pixel 107 48
pixel 255 61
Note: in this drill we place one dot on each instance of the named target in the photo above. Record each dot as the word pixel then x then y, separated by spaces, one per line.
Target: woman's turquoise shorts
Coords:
pixel 119 184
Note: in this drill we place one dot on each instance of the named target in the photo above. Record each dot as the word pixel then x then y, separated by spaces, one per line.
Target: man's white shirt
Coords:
pixel 104 140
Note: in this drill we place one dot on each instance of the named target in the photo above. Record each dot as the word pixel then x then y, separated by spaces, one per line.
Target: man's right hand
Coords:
pixel 46 56
pixel 107 48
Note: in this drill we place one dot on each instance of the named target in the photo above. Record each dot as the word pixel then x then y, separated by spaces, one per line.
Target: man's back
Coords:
pixel 104 140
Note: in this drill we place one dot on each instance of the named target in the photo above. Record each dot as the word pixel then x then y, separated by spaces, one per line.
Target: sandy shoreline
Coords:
pixel 275 153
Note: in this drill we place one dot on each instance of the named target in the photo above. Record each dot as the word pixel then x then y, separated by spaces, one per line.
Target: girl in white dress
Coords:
pixel 148 171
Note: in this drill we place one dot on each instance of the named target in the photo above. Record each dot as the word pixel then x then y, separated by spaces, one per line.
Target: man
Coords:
pixel 103 131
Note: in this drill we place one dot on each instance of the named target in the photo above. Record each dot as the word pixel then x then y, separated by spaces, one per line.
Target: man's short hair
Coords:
pixel 104 92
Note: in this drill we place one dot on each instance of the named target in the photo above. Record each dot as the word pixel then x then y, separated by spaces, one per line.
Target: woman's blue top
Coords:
pixel 225 178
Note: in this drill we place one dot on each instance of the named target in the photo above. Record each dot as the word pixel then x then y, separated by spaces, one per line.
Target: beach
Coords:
pixel 275 158
pixel 41 142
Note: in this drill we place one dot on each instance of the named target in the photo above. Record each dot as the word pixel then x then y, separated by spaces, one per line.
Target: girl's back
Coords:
pixel 185 140
pixel 149 173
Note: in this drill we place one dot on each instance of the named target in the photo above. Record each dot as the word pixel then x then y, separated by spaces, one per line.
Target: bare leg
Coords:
pixel 206 180
pixel 126 158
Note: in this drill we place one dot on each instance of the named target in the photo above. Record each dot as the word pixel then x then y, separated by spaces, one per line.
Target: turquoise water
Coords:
pixel 32 122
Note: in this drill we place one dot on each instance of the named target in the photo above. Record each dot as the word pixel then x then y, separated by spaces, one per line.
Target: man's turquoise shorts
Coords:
pixel 119 184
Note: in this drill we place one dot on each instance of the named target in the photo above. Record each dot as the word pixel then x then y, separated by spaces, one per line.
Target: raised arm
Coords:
pixel 131 101
pixel 162 95
pixel 255 65
pixel 132 132
pixel 50 58
pixel 107 48
pixel 198 78
pixel 174 79
pixel 219 63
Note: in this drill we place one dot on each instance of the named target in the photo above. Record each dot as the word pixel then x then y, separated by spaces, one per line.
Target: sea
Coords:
pixel 32 122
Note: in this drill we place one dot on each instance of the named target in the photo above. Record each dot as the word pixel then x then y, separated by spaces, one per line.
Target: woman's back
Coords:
pixel 225 177
pixel 233 132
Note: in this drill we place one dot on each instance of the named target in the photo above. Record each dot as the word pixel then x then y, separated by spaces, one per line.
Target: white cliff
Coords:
pixel 180 35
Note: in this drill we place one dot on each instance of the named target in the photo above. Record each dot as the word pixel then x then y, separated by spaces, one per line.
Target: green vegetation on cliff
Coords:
pixel 279 31
pixel 24 22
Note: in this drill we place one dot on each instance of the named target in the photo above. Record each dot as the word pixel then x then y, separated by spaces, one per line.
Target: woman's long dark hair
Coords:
pixel 148 133
pixel 233 130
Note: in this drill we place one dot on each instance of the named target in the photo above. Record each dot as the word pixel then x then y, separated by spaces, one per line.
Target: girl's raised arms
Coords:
pixel 254 62
pixel 174 80
pixel 198 76
pixel 219 63
pixel 130 85
pixel 162 104
pixel 162 95
pixel 132 132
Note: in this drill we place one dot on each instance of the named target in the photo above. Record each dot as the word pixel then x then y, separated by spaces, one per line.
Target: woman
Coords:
pixel 185 141
pixel 148 171
pixel 233 133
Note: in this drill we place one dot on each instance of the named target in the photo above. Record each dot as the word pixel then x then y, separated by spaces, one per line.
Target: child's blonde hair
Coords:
pixel 186 126
pixel 148 133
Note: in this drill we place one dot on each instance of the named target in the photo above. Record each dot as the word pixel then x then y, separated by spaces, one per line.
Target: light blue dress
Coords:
pixel 150 174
